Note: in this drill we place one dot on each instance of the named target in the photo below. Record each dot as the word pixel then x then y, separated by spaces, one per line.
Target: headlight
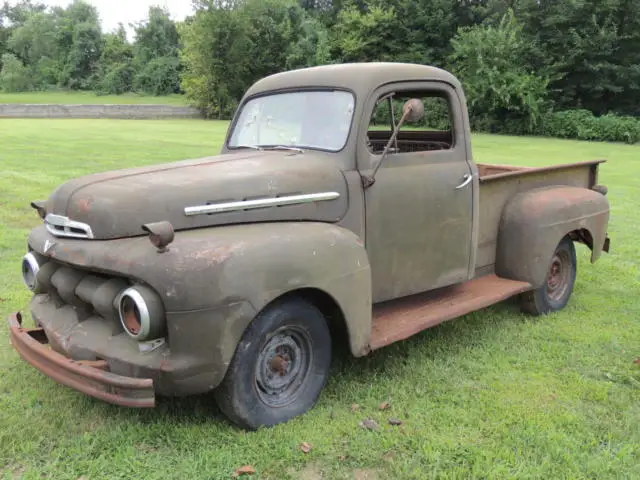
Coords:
pixel 30 269
pixel 141 313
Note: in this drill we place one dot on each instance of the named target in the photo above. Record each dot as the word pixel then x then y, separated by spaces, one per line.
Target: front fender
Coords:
pixel 534 222
pixel 267 261
pixel 244 266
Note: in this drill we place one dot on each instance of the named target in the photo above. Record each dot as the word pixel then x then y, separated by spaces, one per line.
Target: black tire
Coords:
pixel 561 277
pixel 288 339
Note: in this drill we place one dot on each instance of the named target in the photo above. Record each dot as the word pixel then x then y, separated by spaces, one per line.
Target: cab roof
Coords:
pixel 361 78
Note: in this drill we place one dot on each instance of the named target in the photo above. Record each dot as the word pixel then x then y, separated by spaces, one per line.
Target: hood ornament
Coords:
pixel 48 245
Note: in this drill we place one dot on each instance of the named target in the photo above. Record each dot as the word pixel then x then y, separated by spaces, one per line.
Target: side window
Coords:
pixel 433 132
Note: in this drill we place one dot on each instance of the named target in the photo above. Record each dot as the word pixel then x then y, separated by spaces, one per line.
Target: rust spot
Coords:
pixel 84 204
pixel 399 319
pixel 131 316
pixel 279 364
pixel 82 376
pixel 213 256
pixel 99 364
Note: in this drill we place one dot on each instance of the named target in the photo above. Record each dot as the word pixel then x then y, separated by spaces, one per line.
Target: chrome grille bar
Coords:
pixel 61 226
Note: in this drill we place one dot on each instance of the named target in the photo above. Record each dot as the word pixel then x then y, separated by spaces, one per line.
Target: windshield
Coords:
pixel 306 119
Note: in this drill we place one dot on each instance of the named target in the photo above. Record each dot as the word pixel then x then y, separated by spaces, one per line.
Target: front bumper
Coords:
pixel 89 377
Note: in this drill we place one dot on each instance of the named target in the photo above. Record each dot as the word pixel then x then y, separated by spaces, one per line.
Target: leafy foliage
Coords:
pixel 161 76
pixel 230 45
pixel 65 47
pixel 583 125
pixel 490 61
pixel 156 37
pixel 14 76
pixel 519 60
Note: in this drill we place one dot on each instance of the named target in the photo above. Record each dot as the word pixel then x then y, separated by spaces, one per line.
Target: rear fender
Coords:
pixel 534 222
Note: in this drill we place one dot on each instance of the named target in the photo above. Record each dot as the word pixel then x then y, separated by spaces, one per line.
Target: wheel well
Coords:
pixel 329 308
pixel 582 235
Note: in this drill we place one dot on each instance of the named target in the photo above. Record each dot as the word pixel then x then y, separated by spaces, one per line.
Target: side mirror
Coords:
pixel 412 111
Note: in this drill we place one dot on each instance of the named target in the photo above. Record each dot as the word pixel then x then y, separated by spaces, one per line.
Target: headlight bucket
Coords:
pixel 30 268
pixel 141 313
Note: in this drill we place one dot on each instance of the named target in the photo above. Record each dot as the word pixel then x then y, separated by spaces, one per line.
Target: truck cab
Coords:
pixel 345 207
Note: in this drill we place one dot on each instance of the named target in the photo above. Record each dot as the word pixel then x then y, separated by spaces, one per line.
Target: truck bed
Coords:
pixel 499 183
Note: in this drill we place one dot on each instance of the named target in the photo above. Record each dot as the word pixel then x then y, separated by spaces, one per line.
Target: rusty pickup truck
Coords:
pixel 345 206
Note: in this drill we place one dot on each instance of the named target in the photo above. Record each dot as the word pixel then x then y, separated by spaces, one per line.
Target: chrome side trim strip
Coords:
pixel 63 227
pixel 260 203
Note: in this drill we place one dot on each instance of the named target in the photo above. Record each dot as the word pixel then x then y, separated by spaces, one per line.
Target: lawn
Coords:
pixel 86 98
pixel 496 394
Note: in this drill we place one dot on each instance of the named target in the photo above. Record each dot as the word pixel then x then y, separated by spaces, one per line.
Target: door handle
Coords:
pixel 467 180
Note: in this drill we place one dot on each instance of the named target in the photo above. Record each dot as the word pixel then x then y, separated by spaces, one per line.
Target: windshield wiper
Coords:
pixel 253 147
pixel 283 147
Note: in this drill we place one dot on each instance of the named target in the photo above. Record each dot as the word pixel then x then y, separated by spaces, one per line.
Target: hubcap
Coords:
pixel 283 365
pixel 558 277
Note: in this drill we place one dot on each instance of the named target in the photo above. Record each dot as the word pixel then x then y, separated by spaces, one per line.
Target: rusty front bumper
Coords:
pixel 87 377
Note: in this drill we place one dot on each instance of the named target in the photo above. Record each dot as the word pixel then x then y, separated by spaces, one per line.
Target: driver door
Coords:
pixel 419 211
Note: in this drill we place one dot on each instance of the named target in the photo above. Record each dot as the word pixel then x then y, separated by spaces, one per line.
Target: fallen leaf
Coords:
pixel 370 424
pixel 355 407
pixel 637 362
pixel 306 447
pixel 385 405
pixel 246 470
pixel 395 421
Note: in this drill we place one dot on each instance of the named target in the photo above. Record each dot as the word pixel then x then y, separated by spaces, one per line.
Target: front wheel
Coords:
pixel 554 294
pixel 280 366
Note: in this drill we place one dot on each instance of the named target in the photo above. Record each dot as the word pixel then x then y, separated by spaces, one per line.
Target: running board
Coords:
pixel 401 318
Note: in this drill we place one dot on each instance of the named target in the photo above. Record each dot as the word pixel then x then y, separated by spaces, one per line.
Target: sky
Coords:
pixel 127 11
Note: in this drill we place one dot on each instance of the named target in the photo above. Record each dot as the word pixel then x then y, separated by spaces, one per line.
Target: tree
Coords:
pixel 365 36
pixel 14 77
pixel 230 45
pixel 502 91
pixel 216 66
pixel 156 37
pixel 156 54
pixel 591 47
pixel 79 43
pixel 35 44
pixel 115 67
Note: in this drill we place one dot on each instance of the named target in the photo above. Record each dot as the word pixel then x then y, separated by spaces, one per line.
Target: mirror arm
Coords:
pixel 393 118
pixel 368 180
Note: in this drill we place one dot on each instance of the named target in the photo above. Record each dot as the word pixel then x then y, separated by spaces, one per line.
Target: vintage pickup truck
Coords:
pixel 317 225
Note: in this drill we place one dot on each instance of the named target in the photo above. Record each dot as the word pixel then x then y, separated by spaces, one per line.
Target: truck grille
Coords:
pixel 90 294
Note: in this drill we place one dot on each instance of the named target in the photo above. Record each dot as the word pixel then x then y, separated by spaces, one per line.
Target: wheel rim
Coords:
pixel 559 275
pixel 283 365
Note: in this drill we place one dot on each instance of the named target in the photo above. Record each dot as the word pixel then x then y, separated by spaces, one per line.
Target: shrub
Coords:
pixel 161 76
pixel 583 125
pixel 117 80
pixel 14 76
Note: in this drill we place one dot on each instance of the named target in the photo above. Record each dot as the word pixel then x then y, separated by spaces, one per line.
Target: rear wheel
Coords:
pixel 280 366
pixel 554 294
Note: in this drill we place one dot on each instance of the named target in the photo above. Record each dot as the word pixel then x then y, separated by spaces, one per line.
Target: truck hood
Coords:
pixel 116 204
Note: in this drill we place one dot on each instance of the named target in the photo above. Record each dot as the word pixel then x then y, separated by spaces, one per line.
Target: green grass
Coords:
pixel 89 98
pixel 493 395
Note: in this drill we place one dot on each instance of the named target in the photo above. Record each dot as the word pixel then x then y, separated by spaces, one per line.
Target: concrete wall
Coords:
pixel 96 111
